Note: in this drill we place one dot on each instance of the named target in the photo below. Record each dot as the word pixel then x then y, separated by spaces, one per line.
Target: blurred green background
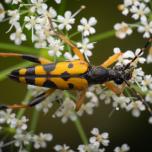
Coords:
pixel 122 126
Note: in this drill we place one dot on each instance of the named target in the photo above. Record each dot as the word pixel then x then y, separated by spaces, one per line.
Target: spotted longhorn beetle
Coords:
pixel 67 75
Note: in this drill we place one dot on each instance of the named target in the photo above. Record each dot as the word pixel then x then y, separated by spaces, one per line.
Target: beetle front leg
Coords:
pixel 31 58
pixel 38 99
pixel 111 60
pixel 106 64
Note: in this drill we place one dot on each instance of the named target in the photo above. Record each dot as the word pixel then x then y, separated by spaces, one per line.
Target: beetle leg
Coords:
pixel 111 60
pixel 113 88
pixel 73 47
pixel 67 41
pixel 38 99
pixel 80 100
pixel 31 58
pixel 107 63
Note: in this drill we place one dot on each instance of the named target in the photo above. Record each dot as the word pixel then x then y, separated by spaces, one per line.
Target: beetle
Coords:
pixel 67 75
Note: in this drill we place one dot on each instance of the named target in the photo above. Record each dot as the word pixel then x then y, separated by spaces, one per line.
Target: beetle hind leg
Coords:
pixel 38 99
pixel 31 58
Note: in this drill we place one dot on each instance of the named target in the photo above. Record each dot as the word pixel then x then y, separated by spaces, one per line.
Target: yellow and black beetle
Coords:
pixel 67 75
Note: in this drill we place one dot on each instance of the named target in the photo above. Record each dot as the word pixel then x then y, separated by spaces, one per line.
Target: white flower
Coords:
pixel 39 42
pixel 48 102
pixel 136 107
pixel 86 27
pixel 40 140
pixel 58 1
pixel 150 120
pixel 99 138
pixel 33 22
pixel 146 28
pixel 22 138
pixel 38 7
pixel 2 12
pixel 6 116
pixel 19 124
pixel 122 30
pixel 56 47
pixel 45 105
pixel 139 11
pixel 16 1
pixel 85 47
pixel 13 1
pixel 121 101
pixel 14 16
pixel 123 148
pixel 90 148
pixel 52 12
pixel 124 9
pixel 69 56
pixel 64 148
pixel 137 75
pixel 65 21
pixel 90 105
pixel 66 111
pixel 148 97
pixel 106 96
pixel 146 82
pixel 18 36
pixel 131 2
pixel 8 1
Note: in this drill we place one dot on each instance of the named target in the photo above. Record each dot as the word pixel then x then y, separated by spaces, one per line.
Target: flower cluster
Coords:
pixel 36 16
pixel 97 143
pixel 140 11
pixel 21 136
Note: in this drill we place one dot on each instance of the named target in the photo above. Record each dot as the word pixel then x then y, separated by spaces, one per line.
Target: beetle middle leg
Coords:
pixel 31 58
pixel 38 99
pixel 80 100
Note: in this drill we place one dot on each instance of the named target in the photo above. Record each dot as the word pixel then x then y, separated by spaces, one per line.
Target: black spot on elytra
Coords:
pixel 49 84
pixel 30 80
pixel 65 75
pixel 71 86
pixel 30 71
pixel 49 67
pixel 70 65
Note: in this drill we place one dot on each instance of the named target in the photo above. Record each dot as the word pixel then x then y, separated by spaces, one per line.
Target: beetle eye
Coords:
pixel 118 81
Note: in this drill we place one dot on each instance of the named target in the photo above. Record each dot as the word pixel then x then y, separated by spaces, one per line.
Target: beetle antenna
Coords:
pixel 140 52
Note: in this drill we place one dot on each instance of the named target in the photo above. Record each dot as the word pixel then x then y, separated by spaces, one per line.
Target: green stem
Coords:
pixel 33 126
pixel 18 48
pixel 81 131
pixel 25 101
pixel 73 34
pixel 102 36
pixel 5 72
pixel 34 121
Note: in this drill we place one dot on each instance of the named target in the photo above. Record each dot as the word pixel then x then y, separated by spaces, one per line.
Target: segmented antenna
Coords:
pixel 140 52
